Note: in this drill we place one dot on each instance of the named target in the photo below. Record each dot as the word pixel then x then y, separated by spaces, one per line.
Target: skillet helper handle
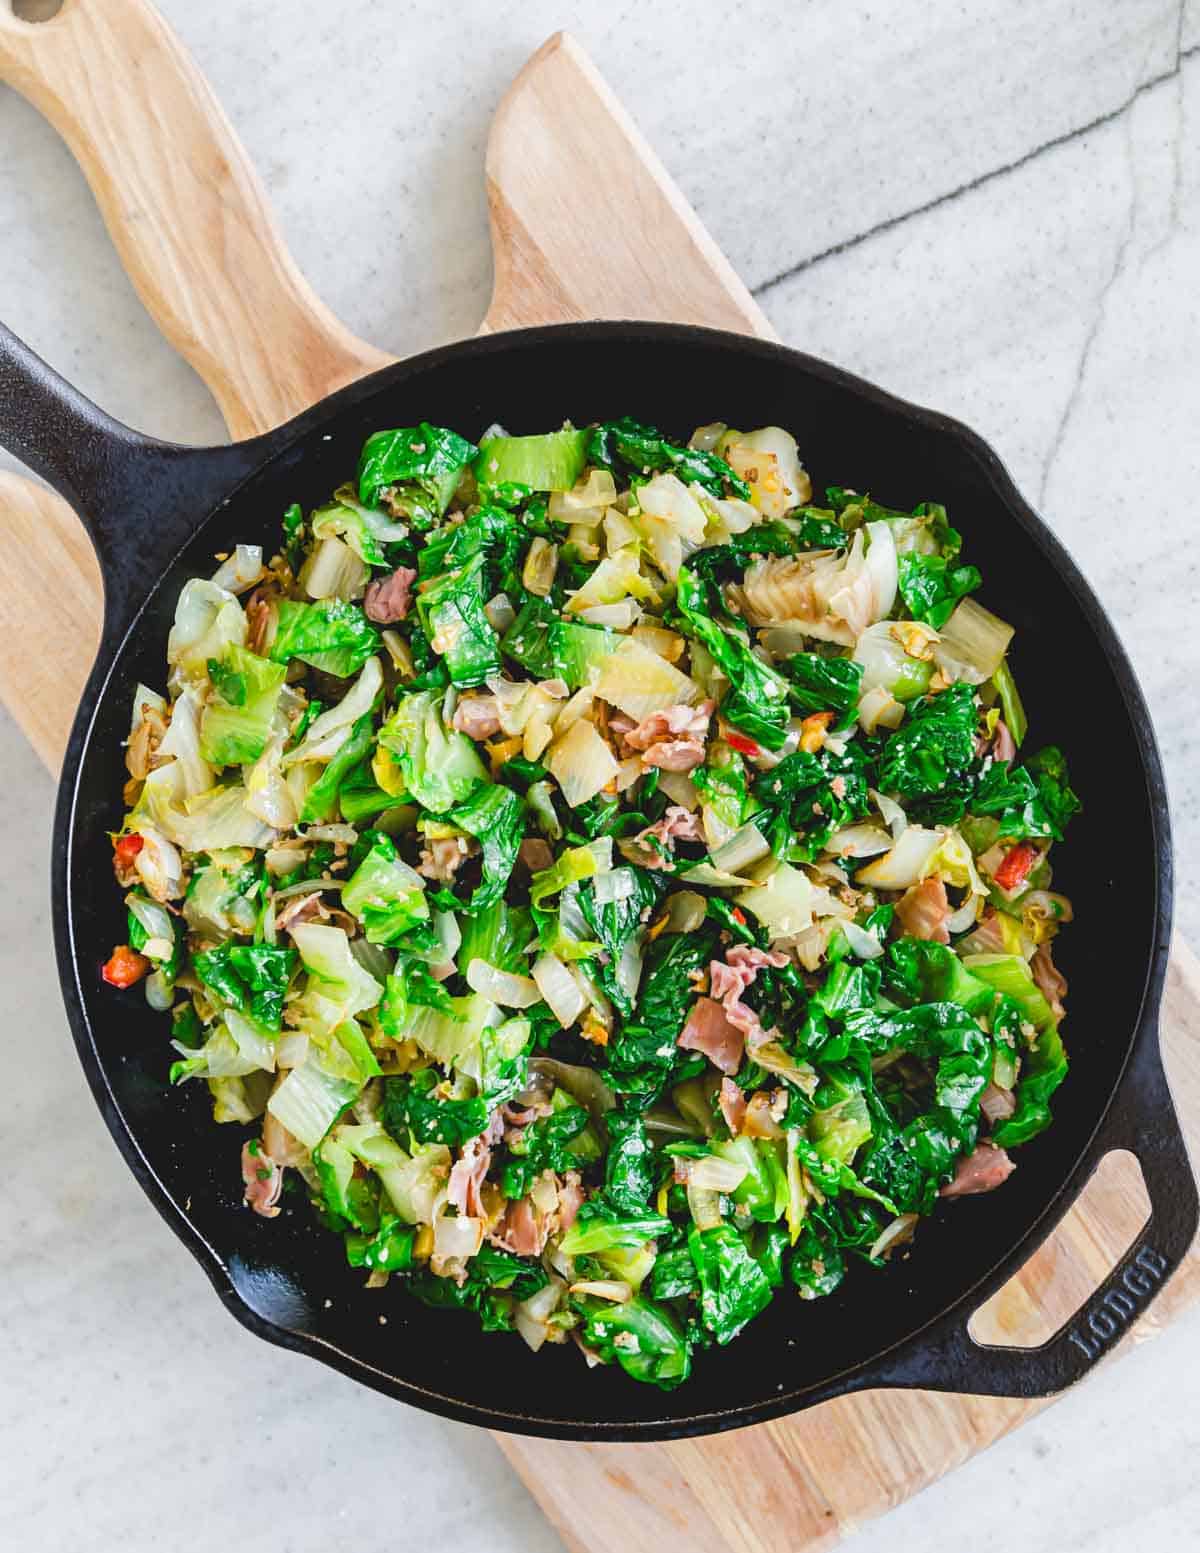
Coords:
pixel 184 208
pixel 1143 1121
pixel 138 498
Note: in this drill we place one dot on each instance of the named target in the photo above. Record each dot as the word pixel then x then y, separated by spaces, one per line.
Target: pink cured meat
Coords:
pixel 389 599
pixel 709 1031
pixel 981 1171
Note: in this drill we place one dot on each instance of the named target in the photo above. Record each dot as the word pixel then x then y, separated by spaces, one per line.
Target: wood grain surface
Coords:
pixel 192 225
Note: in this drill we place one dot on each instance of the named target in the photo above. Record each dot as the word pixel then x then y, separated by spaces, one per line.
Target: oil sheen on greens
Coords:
pixel 606 887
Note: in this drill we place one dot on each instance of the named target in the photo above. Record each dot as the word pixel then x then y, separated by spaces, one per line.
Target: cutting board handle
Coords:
pixel 586 221
pixel 184 207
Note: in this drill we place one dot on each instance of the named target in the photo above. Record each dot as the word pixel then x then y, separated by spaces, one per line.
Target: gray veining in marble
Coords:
pixel 990 207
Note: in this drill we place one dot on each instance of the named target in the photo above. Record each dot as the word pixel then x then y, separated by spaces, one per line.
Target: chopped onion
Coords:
pixel 541 563
pixel 582 763
pixel 897 1233
pixel 448 932
pixel 284 858
pixel 500 612
pixel 604 1289
pixel 582 1084
pixel 680 789
pixel 772 1058
pixel 400 654
pixel 456 1239
pixel 966 915
pixel 291 1049
pixel 973 643
pixel 686 910
pixel 878 708
pixel 714 1174
pixel 859 841
pixel 782 900
pixel 531 1317
pixel 810 945
pixel 327 733
pixel 705 438
pixel 346 834
pixel 637 681
pixel 629 967
pixel 892 814
pixel 241 570
pixel 593 994
pixel 865 945
pixel 308 887
pixel 705 1206
pixel 502 987
pixel 544 1194
pixel 614 886
pixel 906 864
pixel 618 616
pixel 158 865
pixel 559 988
pixel 717 878
pixel 744 847
pixel 666 1119
pixel 160 993
pixel 374 958
pixel 596 488
pixel 334 571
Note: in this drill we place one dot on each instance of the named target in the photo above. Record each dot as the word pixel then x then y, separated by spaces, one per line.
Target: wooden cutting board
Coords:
pixel 192 225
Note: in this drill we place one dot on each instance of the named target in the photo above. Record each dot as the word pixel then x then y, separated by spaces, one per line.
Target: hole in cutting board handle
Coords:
pixel 1076 1258
pixel 36 10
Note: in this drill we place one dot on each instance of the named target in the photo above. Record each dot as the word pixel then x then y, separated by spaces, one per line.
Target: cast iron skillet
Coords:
pixel 157 513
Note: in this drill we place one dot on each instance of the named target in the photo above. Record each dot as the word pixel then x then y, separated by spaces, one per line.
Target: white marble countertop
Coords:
pixel 993 208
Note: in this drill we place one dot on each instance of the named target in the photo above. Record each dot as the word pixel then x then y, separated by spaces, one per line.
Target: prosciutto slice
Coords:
pixel 709 1031
pixel 923 911
pixel 981 1171
pixel 263 1180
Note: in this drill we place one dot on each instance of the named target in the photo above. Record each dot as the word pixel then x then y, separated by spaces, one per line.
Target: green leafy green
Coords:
pixel 544 1145
pixel 332 634
pixel 428 1105
pixel 642 1055
pixel 641 450
pixel 495 816
pixel 1043 1070
pixel 931 587
pixel 643 1337
pixel 629 1165
pixel 249 977
pixel 323 797
pixel 1031 800
pixel 452 613
pixel 820 684
pixel 424 461
pixel 440 766
pixel 236 722
pixel 385 894
pixel 930 758
pixel 808 796
pixel 550 462
pixel 733 1287
pixel 599 1228
pixel 758 699
pixel 495 1280
pixel 616 923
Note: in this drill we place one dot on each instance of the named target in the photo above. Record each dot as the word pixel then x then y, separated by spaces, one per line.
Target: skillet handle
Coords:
pixel 1142 1120
pixel 139 499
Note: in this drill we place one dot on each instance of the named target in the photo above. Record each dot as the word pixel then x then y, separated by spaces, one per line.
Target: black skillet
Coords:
pixel 157 513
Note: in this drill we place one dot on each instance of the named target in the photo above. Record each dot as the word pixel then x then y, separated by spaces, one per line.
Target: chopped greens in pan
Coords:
pixel 609 887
